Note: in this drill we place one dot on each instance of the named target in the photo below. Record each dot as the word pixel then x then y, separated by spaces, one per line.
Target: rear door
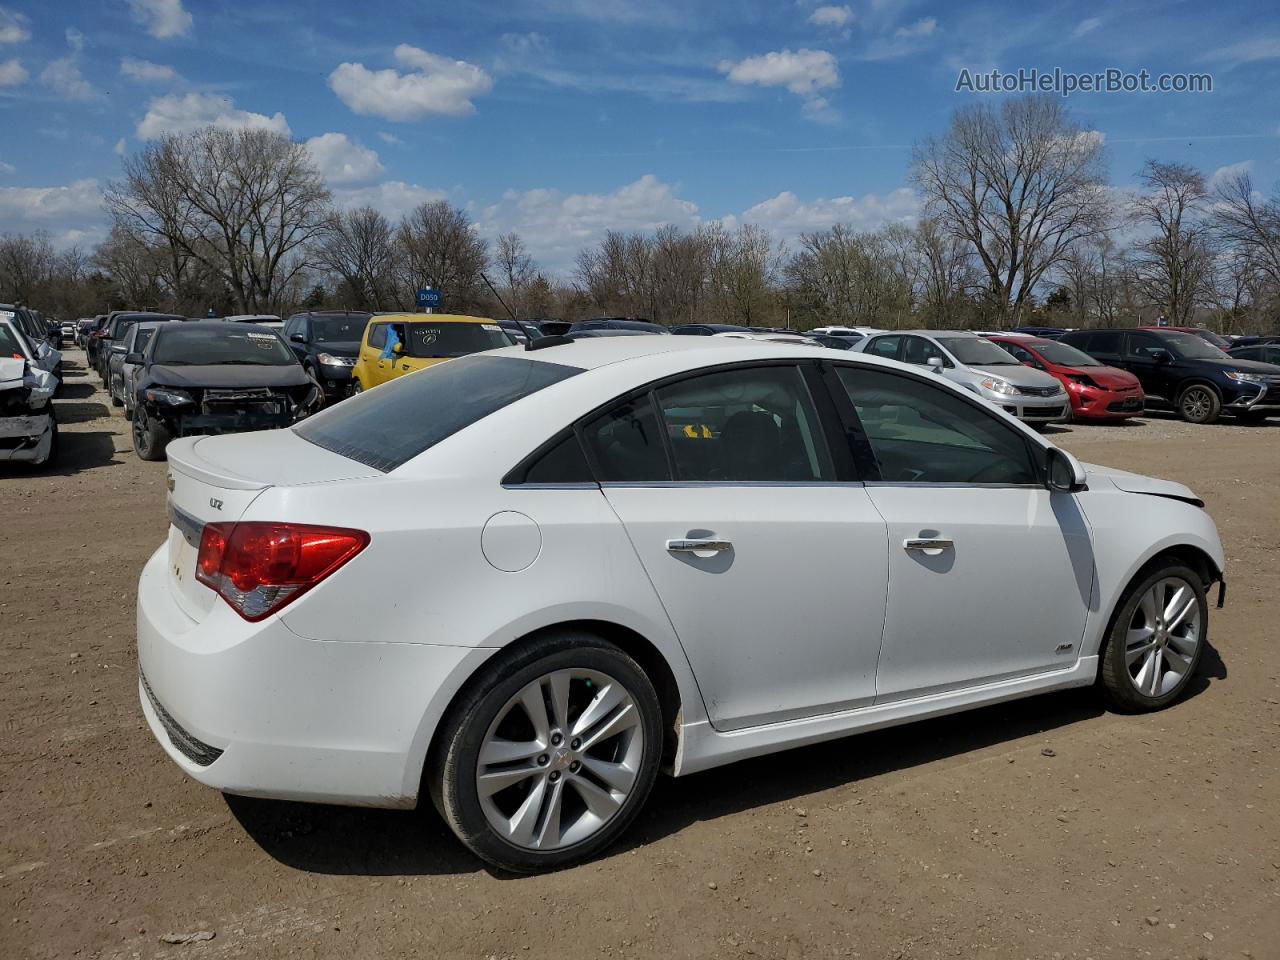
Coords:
pixel 770 562
pixel 1159 378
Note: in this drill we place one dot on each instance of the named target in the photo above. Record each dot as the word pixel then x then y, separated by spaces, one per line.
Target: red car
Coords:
pixel 1097 392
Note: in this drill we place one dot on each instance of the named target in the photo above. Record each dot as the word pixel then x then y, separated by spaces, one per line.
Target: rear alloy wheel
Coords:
pixel 115 400
pixel 551 757
pixel 1199 404
pixel 1157 639
pixel 149 436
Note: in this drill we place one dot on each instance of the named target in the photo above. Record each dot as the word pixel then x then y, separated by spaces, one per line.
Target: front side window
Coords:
pixel 748 425
pixel 918 350
pixel 1145 346
pixel 920 433
pixel 378 335
pixel 1020 353
pixel 387 427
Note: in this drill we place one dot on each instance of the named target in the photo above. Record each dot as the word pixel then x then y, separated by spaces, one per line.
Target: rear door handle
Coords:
pixel 927 545
pixel 698 546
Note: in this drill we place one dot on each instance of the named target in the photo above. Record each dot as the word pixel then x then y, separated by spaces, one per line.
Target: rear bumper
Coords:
pixel 255 709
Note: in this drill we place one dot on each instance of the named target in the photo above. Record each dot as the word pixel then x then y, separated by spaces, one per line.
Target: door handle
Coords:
pixel 698 546
pixel 927 545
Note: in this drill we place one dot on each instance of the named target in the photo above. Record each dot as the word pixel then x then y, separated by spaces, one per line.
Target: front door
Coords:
pixel 772 571
pixel 1149 359
pixel 990 574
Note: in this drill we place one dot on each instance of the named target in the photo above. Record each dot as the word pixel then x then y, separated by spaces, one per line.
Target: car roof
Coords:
pixel 433 318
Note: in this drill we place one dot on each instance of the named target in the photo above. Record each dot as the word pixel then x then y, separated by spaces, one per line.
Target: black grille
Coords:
pixel 196 751
pixel 1039 391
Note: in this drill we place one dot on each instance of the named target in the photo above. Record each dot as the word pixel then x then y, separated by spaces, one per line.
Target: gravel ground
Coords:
pixel 1044 828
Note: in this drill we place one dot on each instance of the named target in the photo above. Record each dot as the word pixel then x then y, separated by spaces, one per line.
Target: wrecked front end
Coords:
pixel 28 431
pixel 189 411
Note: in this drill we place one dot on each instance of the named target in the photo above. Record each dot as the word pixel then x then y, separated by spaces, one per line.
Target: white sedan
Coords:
pixel 523 582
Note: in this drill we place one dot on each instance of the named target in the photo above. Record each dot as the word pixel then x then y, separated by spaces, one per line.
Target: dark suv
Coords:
pixel 1186 373
pixel 327 343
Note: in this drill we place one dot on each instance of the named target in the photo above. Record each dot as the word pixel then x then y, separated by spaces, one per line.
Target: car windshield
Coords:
pixel 388 426
pixel 184 345
pixel 10 345
pixel 348 328
pixel 1191 347
pixel 1065 355
pixel 454 339
pixel 976 352
pixel 122 324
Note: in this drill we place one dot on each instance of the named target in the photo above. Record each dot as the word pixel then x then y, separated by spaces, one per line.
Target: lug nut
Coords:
pixel 575 767
pixel 543 760
pixel 555 775
pixel 556 739
pixel 576 744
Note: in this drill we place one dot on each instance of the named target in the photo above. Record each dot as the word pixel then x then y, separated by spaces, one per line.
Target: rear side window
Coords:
pixel 391 425
pixel 563 463
pixel 884 347
pixel 626 443
pixel 1104 341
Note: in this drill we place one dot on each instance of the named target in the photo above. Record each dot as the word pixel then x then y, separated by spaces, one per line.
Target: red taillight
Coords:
pixel 259 567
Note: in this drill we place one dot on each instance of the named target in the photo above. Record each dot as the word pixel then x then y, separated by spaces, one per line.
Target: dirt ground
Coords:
pixel 1045 828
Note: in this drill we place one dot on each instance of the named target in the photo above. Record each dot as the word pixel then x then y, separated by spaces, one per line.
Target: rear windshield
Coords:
pixel 454 339
pixel 183 345
pixel 395 422
pixel 348 328
pixel 122 324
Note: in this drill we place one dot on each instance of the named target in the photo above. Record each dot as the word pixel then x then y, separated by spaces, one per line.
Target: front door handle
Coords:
pixel 699 546
pixel 932 546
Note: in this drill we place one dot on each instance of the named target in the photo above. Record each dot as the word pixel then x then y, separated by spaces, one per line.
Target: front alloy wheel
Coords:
pixel 551 755
pixel 1199 404
pixel 1157 639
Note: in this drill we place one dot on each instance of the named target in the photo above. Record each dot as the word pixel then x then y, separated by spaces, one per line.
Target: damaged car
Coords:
pixel 211 377
pixel 28 429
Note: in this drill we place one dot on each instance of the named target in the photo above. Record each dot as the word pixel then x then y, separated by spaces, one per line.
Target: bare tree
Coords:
pixel 441 249
pixel 1171 266
pixel 744 269
pixel 946 275
pixel 1247 222
pixel 845 277
pixel 1020 184
pixel 244 203
pixel 360 249
pixel 26 266
pixel 516 271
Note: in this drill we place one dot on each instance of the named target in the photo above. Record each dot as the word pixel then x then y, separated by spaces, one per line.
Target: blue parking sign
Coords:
pixel 428 297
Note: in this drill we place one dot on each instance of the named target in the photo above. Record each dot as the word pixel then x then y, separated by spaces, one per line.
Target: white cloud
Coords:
pixel 803 72
pixel 13 26
pixel 178 114
pixel 7 168
pixel 831 16
pixel 144 71
pixel 1087 25
pixel 71 213
pixel 63 76
pixel 1246 51
pixel 162 18
pixel 13 73
pixel 921 28
pixel 1229 172
pixel 434 84
pixel 342 160
pixel 556 225
pixel 119 147
pixel 787 216
pixel 390 138
pixel 392 198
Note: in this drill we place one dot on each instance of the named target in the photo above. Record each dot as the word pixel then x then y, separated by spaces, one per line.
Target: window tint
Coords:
pixel 378 335
pixel 627 445
pixel 919 350
pixel 757 424
pixel 563 463
pixel 453 339
pixel 342 328
pixel 1251 353
pixel 920 433
pixel 1104 341
pixel 884 347
pixel 1144 346
pixel 211 343
pixel 386 427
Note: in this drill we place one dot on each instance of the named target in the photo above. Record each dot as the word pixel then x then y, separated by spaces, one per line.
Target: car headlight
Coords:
pixel 169 395
pixel 1245 377
pixel 996 385
pixel 330 360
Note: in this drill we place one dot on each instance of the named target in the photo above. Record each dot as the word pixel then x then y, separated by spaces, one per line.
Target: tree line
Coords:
pixel 1019 225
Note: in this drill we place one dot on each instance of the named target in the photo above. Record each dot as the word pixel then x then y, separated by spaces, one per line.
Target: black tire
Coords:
pixel 111 388
pixel 1118 685
pixel 149 437
pixel 452 769
pixel 1199 403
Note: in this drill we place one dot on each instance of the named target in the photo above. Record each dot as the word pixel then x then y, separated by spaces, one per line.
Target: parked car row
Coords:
pixel 29 379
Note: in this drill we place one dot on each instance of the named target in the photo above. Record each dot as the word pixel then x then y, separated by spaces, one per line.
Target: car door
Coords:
pixel 1149 358
pixel 990 573
pixel 386 365
pixel 298 328
pixel 771 567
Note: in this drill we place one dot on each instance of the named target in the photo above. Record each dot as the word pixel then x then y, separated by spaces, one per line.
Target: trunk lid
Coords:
pixel 215 479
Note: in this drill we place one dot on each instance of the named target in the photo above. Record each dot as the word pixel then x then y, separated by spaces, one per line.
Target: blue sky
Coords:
pixel 561 118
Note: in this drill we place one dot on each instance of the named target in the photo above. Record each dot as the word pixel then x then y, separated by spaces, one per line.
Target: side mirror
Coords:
pixel 1065 473
pixel 297 338
pixel 133 358
pixel 934 364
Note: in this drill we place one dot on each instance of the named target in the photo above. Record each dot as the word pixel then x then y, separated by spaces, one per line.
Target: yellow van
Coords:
pixel 400 343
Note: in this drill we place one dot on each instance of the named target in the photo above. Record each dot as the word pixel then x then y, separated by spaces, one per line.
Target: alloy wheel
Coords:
pixel 1196 403
pixel 560 759
pixel 1163 637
